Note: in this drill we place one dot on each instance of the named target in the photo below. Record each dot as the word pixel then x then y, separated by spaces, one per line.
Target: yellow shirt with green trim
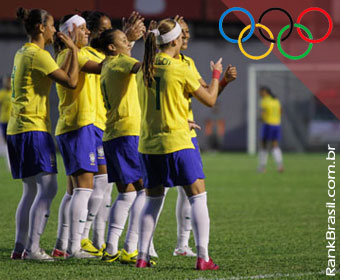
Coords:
pixel 165 107
pixel 30 90
pixel 190 62
pixel 271 110
pixel 76 106
pixel 5 105
pixel 98 57
pixel 120 93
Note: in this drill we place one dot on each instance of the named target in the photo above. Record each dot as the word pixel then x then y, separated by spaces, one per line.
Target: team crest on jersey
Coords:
pixel 92 157
pixel 100 151
pixel 52 160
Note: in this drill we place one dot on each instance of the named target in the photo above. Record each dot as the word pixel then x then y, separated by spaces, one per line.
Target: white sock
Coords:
pixel 263 158
pixel 99 223
pixel 23 213
pixel 95 202
pixel 40 210
pixel 132 232
pixel 148 220
pixel 277 155
pixel 63 222
pixel 200 224
pixel 118 216
pixel 183 216
pixel 78 213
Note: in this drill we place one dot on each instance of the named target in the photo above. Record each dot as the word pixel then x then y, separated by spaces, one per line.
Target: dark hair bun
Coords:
pixel 22 14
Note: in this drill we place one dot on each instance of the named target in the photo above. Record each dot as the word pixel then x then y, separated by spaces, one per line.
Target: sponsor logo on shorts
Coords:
pixel 92 157
pixel 100 152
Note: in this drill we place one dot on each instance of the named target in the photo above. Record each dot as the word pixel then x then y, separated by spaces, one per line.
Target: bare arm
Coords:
pixel 229 76
pixel 92 67
pixel 67 78
pixel 208 95
pixel 136 67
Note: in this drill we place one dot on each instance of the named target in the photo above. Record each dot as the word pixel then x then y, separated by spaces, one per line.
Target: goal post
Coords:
pixel 254 71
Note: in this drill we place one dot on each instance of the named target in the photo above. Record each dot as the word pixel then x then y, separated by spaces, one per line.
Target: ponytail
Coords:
pixel 149 59
pixel 31 18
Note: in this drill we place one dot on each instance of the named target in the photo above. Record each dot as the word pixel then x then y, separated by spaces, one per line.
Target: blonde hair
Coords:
pixel 165 26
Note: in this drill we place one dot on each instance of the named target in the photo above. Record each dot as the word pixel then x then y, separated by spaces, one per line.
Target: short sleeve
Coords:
pixel 127 63
pixel 191 82
pixel 44 62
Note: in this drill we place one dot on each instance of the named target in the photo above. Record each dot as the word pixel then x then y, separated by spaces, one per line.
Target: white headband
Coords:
pixel 167 37
pixel 68 25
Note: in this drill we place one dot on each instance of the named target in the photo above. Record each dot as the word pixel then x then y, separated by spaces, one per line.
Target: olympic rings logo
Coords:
pixel 271 39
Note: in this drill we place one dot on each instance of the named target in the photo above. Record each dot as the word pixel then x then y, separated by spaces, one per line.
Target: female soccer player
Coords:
pixel 76 134
pixel 120 141
pixel 270 135
pixel 183 208
pixel 98 22
pixel 30 145
pixel 167 153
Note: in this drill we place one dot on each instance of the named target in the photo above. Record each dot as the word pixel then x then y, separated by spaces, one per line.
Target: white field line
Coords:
pixel 268 276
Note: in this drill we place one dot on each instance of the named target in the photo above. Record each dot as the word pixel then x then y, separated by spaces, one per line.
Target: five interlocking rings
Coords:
pixel 271 39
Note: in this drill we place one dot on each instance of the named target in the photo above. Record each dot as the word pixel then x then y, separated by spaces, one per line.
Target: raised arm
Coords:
pixel 208 95
pixel 68 77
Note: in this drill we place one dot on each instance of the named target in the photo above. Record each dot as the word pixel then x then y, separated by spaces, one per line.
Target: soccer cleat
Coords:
pixel 201 264
pixel 39 255
pixel 280 169
pixel 80 254
pixel 142 263
pixel 185 251
pixel 87 246
pixel 16 255
pixel 127 258
pixel 110 258
pixel 56 253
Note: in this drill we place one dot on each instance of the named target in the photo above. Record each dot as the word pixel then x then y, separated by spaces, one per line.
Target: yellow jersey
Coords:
pixel 120 96
pixel 5 105
pixel 98 57
pixel 30 90
pixel 165 107
pixel 271 110
pixel 190 62
pixel 76 106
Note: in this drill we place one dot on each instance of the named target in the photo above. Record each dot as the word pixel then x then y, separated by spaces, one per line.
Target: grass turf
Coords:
pixel 261 224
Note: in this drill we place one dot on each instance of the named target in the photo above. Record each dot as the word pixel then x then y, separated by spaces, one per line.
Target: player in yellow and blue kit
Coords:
pixel 183 209
pixel 76 133
pixel 120 140
pixel 271 129
pixel 30 146
pixel 166 150
pixel 95 21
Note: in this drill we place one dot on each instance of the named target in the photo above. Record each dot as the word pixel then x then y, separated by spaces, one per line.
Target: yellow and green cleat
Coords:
pixel 110 258
pixel 87 246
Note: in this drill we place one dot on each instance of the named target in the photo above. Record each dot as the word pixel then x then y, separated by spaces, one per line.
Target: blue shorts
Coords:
pixel 180 168
pixel 122 158
pixel 31 153
pixel 197 152
pixel 4 130
pixel 80 150
pixel 270 132
pixel 99 146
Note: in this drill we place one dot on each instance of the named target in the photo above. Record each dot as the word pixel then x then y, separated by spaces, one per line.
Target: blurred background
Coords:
pixel 233 125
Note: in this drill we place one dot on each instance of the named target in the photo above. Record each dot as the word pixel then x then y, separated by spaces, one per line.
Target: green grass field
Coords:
pixel 262 225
